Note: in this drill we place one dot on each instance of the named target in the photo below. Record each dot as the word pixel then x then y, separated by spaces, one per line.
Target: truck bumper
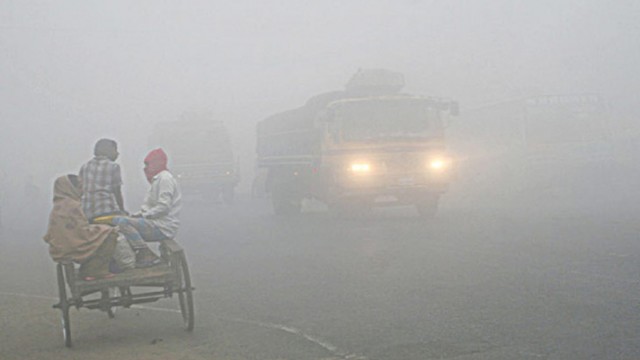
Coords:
pixel 392 194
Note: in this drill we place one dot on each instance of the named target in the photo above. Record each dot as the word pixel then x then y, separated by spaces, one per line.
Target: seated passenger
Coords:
pixel 101 182
pixel 72 238
pixel 158 218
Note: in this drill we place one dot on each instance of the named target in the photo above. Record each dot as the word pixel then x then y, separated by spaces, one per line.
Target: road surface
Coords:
pixel 474 283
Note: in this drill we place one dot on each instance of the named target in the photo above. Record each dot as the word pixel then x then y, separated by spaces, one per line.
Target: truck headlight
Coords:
pixel 438 164
pixel 360 168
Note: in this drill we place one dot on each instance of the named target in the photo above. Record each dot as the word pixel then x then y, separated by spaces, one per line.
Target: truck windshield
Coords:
pixel 383 119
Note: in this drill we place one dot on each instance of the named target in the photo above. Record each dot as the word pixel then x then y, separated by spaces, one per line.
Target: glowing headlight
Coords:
pixel 438 164
pixel 360 167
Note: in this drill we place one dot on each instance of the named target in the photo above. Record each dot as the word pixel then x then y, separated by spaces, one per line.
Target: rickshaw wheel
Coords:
pixel 66 326
pixel 185 295
pixel 64 307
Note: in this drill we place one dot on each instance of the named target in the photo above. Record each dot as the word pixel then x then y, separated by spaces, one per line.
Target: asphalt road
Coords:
pixel 474 283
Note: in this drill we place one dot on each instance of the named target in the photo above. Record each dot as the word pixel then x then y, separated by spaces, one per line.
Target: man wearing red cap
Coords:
pixel 158 218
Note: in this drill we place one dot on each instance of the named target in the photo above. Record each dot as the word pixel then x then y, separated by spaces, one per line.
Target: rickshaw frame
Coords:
pixel 172 275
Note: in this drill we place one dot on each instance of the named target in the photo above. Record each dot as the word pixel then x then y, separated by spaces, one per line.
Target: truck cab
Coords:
pixel 387 150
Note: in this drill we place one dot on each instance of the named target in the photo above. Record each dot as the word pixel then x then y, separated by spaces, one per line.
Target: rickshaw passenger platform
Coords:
pixel 170 277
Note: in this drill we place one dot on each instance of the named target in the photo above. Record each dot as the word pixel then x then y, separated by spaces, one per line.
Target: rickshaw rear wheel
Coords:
pixel 185 294
pixel 66 326
pixel 64 307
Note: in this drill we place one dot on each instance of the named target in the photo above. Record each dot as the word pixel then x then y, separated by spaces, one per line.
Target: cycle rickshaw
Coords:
pixel 136 286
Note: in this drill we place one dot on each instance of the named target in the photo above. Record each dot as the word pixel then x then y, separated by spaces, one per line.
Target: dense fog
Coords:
pixel 73 72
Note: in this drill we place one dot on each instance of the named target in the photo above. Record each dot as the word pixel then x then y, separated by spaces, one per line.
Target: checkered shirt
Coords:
pixel 100 176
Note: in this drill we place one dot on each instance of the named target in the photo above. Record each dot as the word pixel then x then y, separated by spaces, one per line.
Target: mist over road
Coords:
pixel 504 271
pixel 470 284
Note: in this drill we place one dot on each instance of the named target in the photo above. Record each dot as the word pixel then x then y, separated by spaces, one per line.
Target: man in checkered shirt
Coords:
pixel 101 182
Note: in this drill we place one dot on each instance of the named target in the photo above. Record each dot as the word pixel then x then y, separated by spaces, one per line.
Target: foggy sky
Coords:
pixel 75 71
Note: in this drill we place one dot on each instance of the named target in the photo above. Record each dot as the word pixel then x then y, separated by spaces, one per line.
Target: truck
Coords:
pixel 366 146
pixel 536 145
pixel 200 154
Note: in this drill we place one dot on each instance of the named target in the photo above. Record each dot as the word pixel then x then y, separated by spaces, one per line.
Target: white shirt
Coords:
pixel 162 204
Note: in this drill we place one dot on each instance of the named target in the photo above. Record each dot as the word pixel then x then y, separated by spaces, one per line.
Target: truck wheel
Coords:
pixel 228 195
pixel 255 191
pixel 428 207
pixel 285 204
pixel 211 196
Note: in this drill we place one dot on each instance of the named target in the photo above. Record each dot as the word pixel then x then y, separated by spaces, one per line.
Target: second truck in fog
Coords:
pixel 201 155
pixel 366 146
